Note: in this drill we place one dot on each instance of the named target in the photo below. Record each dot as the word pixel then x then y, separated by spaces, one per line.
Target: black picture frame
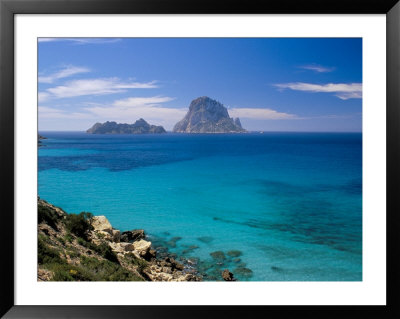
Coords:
pixel 9 8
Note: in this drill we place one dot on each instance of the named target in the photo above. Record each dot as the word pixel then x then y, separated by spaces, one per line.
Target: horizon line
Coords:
pixel 252 131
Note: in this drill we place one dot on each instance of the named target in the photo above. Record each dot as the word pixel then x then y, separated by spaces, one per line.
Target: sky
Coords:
pixel 271 84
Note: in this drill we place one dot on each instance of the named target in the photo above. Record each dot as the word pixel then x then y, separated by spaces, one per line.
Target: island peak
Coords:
pixel 206 115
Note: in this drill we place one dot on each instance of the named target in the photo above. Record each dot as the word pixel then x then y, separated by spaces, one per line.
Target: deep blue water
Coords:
pixel 291 203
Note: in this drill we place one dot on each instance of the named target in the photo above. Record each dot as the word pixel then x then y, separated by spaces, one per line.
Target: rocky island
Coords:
pixel 40 138
pixel 206 115
pixel 139 127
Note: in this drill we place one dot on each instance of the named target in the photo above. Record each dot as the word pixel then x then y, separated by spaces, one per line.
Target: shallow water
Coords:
pixel 290 203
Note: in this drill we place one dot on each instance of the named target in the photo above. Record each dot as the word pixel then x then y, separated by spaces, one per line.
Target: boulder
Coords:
pixel 142 247
pixel 132 235
pixel 101 223
pixel 117 247
pixel 127 246
pixel 116 235
pixel 227 275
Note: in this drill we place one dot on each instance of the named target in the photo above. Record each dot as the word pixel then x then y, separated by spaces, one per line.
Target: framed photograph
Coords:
pixel 193 159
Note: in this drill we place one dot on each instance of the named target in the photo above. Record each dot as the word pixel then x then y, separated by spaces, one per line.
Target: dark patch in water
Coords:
pixel 205 239
pixel 311 221
pixel 218 255
pixel 277 269
pixel 243 272
pixel 234 253
pixel 172 241
pixel 189 249
pixel 284 189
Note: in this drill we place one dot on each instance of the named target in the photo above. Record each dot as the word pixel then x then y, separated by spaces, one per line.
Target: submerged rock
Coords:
pixel 172 241
pixel 244 272
pixel 189 249
pixel 234 253
pixel 218 255
pixel 277 269
pixel 205 239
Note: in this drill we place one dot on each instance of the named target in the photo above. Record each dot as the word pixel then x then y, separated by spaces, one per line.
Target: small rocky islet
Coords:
pixel 40 138
pixel 83 247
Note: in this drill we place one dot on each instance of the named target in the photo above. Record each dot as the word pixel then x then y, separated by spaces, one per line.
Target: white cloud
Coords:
pixel 53 113
pixel 142 101
pixel 43 96
pixel 66 72
pixel 342 90
pixel 260 114
pixel 317 68
pixel 130 109
pixel 80 40
pixel 93 87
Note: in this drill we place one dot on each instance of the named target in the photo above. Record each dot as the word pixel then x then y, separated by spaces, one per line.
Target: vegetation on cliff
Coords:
pixel 83 247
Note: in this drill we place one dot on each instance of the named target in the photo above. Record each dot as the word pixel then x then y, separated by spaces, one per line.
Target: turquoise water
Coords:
pixel 291 203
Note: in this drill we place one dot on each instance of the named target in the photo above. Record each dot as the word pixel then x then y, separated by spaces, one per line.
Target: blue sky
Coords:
pixel 271 84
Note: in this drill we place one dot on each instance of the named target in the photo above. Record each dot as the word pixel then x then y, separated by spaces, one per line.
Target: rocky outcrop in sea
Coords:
pixel 139 127
pixel 206 115
pixel 40 138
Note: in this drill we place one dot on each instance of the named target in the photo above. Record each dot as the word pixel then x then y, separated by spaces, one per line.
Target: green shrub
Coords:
pixel 78 224
pixel 103 249
pixel 106 252
pixel 61 240
pixel 67 272
pixel 73 254
pixel 104 270
pixel 139 263
pixel 48 215
pixel 48 255
pixel 90 269
pixel 68 237
pixel 100 235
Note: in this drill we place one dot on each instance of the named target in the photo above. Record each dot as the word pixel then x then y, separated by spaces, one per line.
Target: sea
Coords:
pixel 268 206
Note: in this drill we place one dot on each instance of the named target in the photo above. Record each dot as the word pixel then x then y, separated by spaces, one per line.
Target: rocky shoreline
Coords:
pixel 134 242
pixel 100 252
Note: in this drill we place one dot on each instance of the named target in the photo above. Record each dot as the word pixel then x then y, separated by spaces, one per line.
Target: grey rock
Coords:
pixel 206 115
